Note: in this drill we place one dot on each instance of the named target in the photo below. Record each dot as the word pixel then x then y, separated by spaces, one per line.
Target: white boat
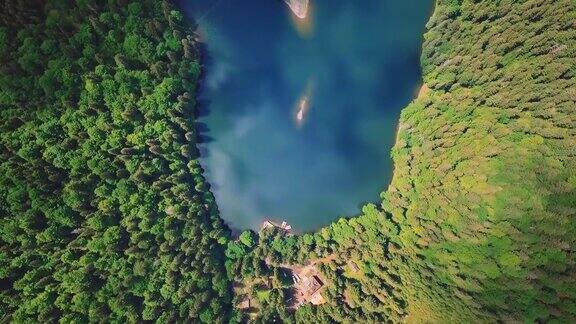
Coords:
pixel 301 108
pixel 298 7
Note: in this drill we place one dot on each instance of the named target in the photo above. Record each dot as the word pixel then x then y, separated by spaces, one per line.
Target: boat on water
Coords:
pixel 298 7
pixel 301 109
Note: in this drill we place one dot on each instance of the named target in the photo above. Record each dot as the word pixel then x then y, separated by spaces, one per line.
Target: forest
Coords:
pixel 107 217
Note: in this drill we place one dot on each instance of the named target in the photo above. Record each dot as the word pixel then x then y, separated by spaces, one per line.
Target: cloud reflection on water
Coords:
pixel 358 68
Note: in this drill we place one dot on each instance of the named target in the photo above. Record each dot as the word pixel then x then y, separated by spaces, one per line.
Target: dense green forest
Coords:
pixel 105 213
pixel 485 187
pixel 479 223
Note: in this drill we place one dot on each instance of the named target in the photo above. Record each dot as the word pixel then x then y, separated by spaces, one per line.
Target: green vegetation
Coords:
pixel 484 189
pixel 105 213
pixel 479 223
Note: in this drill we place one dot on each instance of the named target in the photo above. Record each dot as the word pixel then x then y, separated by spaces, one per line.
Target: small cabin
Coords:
pixel 311 284
pixel 244 303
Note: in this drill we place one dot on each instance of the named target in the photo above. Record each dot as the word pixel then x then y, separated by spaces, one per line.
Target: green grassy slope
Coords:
pixel 105 215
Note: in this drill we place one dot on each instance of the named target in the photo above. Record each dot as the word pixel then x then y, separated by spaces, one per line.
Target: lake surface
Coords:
pixel 353 65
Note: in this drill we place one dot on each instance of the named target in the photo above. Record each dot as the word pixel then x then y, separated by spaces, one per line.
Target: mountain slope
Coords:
pixel 105 215
pixel 484 188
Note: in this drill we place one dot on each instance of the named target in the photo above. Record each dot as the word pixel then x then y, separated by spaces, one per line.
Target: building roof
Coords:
pixel 244 303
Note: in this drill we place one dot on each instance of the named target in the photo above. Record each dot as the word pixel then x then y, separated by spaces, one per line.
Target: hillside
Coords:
pixel 105 213
pixel 484 190
pixel 479 223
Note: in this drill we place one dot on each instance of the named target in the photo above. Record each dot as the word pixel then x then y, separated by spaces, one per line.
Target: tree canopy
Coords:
pixel 105 213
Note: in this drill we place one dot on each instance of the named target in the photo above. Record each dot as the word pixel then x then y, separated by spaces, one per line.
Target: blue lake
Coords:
pixel 351 65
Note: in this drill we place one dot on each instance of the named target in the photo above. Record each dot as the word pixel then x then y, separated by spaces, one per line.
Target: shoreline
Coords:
pixel 201 112
pixel 422 91
pixel 267 223
pixel 400 126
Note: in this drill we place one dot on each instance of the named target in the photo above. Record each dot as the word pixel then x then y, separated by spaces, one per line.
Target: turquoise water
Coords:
pixel 353 65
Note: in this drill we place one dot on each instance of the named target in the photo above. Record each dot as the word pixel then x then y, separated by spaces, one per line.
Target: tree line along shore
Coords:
pixel 106 214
